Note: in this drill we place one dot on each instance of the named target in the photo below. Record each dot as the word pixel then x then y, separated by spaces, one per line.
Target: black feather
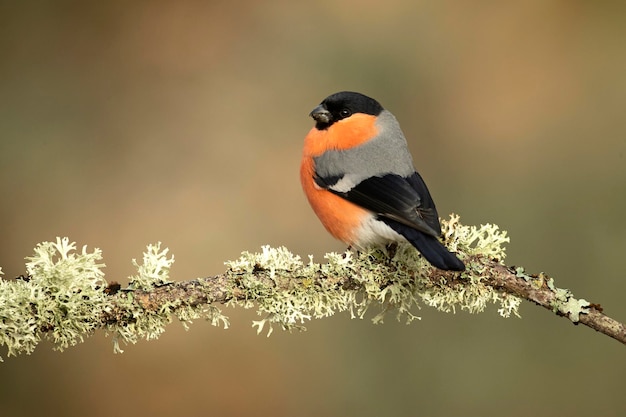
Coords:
pixel 405 200
pixel 429 246
pixel 405 205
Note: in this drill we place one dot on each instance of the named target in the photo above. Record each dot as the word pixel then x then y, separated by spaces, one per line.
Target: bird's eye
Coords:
pixel 344 113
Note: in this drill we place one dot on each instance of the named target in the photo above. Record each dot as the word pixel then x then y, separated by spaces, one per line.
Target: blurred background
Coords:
pixel 128 123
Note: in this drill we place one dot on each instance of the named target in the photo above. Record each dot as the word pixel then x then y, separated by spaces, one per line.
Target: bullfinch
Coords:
pixel 358 176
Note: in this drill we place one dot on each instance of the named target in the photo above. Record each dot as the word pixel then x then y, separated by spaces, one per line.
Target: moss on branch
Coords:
pixel 65 298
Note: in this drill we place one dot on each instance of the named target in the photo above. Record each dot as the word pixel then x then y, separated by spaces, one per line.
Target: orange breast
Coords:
pixel 340 217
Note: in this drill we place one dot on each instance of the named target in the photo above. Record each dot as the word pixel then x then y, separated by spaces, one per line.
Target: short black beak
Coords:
pixel 321 115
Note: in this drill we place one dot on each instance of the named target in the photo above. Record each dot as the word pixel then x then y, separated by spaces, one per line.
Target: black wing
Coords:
pixel 404 200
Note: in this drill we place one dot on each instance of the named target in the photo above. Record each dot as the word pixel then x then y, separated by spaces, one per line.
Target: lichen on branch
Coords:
pixel 64 297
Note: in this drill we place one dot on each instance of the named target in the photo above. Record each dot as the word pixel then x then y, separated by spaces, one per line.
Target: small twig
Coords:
pixel 538 291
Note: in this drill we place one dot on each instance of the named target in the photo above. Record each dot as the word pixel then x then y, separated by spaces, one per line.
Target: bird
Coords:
pixel 358 176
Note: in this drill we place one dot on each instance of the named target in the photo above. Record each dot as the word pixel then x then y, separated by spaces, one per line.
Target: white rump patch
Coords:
pixel 375 233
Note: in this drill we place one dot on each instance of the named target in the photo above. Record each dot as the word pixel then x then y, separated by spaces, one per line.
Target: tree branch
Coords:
pixel 539 289
pixel 65 298
pixel 224 288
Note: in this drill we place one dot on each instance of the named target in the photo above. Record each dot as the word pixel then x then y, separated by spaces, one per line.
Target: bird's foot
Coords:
pixel 392 249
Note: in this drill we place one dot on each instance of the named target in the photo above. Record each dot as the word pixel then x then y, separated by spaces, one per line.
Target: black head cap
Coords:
pixel 342 105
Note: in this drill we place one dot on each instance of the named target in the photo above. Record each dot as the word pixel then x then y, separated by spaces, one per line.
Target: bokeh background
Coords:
pixel 127 123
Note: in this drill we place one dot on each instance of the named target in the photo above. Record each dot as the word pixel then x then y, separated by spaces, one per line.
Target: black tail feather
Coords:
pixel 429 246
pixel 435 252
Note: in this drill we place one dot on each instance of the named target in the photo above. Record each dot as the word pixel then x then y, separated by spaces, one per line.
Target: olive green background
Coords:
pixel 128 123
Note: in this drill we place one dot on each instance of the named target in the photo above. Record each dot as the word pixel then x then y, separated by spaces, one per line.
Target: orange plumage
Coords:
pixel 340 217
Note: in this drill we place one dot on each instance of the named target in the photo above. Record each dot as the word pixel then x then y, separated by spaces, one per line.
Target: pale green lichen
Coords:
pixel 64 298
pixel 487 239
pixel 397 284
pixel 564 301
pixel 149 324
pixel 143 323
pixel 58 300
pixel 19 326
pixel 288 307
pixel 154 270
pixel 571 307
